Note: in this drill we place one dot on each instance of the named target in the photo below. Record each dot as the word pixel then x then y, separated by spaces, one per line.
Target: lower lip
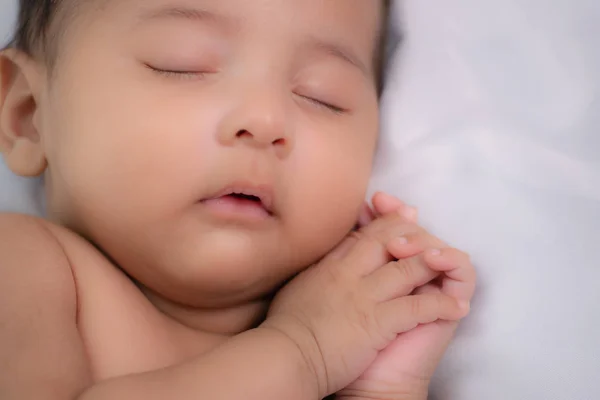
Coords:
pixel 230 207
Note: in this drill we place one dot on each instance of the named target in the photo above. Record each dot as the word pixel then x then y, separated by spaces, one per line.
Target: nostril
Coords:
pixel 264 139
pixel 243 133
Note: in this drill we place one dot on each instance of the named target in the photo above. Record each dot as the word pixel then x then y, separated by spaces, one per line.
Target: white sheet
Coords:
pixel 491 127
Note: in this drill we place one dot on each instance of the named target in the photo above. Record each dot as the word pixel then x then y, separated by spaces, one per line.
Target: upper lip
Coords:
pixel 263 192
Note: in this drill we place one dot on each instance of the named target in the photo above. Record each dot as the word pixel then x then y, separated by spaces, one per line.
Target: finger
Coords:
pixel 412 244
pixel 398 278
pixel 406 313
pixel 429 288
pixel 427 343
pixel 459 274
pixel 366 216
pixel 342 249
pixel 385 204
pixel 378 234
pixel 406 246
pixel 369 251
pixel 390 226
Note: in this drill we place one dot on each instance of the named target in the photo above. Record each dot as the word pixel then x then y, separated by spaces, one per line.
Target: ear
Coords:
pixel 20 141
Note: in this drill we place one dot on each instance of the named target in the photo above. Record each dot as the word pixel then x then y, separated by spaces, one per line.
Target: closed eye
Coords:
pixel 179 74
pixel 323 104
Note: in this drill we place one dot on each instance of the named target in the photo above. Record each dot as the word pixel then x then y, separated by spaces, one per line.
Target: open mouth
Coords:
pixel 250 200
pixel 243 200
pixel 256 199
pixel 247 197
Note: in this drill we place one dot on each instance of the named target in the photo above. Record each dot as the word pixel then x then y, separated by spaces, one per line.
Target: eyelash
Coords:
pixel 176 74
pixel 328 106
pixel 196 75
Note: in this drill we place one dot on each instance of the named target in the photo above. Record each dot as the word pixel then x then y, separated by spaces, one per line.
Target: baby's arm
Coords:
pixel 259 364
pixel 304 350
pixel 42 355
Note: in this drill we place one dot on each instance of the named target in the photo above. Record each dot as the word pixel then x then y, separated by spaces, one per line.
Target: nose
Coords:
pixel 258 120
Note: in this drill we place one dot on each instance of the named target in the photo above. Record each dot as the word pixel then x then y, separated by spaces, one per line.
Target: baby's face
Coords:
pixel 157 108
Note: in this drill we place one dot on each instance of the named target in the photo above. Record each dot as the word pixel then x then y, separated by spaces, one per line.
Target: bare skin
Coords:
pixel 82 322
pixel 152 277
pixel 84 330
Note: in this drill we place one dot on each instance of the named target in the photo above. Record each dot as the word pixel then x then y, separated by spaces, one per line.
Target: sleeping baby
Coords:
pixel 205 167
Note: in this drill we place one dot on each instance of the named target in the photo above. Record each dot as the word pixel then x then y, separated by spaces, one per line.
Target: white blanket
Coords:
pixel 492 127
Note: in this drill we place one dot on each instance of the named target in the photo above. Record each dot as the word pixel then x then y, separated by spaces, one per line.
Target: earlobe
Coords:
pixel 20 141
pixel 26 158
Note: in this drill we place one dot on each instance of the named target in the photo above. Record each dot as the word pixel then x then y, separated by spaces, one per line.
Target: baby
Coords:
pixel 205 164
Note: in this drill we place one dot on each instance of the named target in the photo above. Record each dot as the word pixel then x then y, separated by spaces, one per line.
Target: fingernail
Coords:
pixel 402 241
pixel 464 305
pixel 410 213
pixel 434 252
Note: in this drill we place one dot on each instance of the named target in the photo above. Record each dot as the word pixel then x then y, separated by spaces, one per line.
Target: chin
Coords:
pixel 223 274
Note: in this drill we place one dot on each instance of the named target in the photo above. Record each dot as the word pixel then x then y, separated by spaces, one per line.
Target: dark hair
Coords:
pixel 35 33
pixel 34 26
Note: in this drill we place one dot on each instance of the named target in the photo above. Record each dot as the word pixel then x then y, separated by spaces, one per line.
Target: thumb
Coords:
pixel 384 204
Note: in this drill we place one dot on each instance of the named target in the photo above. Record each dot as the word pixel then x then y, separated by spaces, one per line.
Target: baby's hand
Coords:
pixel 404 369
pixel 342 312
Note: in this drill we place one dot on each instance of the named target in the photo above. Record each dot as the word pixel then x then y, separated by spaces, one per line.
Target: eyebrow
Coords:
pixel 339 51
pixel 331 48
pixel 188 13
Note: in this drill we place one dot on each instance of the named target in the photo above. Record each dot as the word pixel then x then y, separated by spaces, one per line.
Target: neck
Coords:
pixel 226 321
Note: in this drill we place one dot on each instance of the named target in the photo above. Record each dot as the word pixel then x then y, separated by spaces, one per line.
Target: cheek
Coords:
pixel 118 149
pixel 330 180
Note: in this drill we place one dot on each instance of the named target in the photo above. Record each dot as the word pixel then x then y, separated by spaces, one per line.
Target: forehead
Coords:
pixel 346 28
pixel 336 13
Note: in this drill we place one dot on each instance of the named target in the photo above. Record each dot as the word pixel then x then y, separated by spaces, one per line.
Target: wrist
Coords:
pixel 300 350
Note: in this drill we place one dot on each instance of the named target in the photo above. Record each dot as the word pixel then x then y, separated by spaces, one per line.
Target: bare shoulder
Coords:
pixel 30 245
pixel 27 237
pixel 38 303
pixel 22 233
